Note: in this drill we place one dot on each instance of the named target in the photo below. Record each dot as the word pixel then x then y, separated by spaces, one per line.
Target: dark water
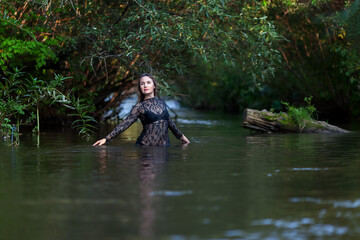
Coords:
pixel 227 184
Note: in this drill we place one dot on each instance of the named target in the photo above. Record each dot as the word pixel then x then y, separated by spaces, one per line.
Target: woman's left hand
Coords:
pixel 100 142
pixel 184 139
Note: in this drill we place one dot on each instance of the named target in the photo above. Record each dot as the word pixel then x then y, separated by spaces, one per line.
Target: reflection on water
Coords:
pixel 152 163
pixel 335 204
pixel 153 160
pixel 227 184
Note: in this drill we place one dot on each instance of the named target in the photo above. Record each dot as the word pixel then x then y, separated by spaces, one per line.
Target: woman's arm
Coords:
pixel 177 133
pixel 184 139
pixel 125 124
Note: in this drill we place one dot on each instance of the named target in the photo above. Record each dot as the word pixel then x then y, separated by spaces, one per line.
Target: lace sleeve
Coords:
pixel 126 123
pixel 174 129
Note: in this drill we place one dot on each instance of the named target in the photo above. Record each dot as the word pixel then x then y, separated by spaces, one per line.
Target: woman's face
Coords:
pixel 147 87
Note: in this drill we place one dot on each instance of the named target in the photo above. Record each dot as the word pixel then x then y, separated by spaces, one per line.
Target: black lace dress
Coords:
pixel 155 120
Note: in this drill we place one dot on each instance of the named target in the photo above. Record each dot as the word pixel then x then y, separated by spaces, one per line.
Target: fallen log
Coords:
pixel 265 121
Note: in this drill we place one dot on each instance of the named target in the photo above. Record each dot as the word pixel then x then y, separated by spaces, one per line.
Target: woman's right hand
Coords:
pixel 100 142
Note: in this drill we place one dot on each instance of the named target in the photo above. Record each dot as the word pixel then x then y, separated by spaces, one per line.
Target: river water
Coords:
pixel 227 184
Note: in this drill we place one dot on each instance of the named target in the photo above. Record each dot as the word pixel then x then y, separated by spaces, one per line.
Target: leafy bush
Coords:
pixel 21 96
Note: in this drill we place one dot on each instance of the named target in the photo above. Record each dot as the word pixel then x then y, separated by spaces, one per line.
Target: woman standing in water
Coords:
pixel 153 115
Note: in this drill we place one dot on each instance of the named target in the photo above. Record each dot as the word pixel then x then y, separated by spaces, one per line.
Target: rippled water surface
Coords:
pixel 227 184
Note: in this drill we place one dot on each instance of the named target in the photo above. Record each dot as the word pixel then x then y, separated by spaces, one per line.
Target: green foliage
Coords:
pixel 300 116
pixel 234 54
pixel 349 49
pixel 105 45
pixel 165 37
pixel 319 55
pixel 220 87
pixel 21 48
pixel 21 95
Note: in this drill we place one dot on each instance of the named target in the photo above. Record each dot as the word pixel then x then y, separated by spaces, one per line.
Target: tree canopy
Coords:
pixel 235 51
pixel 104 45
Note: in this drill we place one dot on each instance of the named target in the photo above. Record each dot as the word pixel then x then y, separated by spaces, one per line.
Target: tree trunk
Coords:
pixel 269 122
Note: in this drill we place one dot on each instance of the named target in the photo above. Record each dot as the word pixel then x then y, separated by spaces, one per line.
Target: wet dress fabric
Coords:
pixel 155 120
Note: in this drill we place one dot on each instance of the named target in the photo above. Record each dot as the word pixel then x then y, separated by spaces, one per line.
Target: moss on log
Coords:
pixel 270 122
